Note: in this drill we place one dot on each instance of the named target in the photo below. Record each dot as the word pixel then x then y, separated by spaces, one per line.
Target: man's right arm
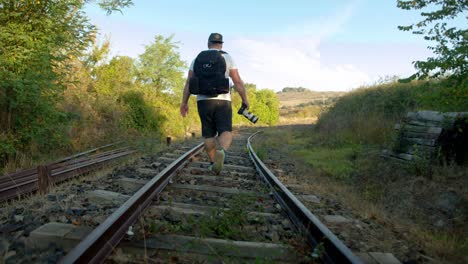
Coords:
pixel 186 95
pixel 239 85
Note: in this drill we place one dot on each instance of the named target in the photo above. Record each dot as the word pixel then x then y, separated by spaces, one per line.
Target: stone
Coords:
pixel 76 211
pixel 286 224
pixel 63 219
pixel 4 246
pixel 172 217
pixel 52 197
pixel 65 235
pixel 447 202
pixel 131 185
pixel 440 223
pixel 92 207
pixel 18 218
pixel 55 208
pixel 366 258
pixel 279 172
pixel 384 258
pixel 336 219
pixel 156 165
pixel 106 197
pixel 273 236
pixel 253 219
pixel 147 172
pixel 310 198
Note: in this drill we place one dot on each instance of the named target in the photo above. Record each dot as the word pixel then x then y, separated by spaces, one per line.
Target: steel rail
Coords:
pixel 18 181
pixel 102 240
pixel 58 163
pixel 28 184
pixel 87 152
pixel 317 233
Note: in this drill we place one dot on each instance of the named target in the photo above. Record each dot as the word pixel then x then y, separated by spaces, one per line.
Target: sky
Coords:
pixel 335 45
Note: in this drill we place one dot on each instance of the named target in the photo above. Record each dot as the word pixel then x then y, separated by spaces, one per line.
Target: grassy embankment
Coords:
pixel 343 150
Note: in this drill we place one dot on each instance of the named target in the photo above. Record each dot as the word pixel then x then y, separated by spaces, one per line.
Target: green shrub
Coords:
pixel 7 147
pixel 140 115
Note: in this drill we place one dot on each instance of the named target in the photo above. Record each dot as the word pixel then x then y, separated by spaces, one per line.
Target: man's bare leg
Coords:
pixel 225 139
pixel 210 148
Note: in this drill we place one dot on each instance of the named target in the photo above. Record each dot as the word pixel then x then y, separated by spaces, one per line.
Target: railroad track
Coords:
pixel 16 185
pixel 173 209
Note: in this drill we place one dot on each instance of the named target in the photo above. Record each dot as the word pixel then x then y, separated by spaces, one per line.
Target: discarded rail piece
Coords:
pixel 39 179
pixel 431 135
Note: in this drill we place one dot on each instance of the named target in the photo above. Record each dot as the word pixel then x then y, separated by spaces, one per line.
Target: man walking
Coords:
pixel 208 78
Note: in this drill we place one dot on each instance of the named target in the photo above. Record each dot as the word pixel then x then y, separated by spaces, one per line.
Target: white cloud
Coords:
pixel 293 58
pixel 279 63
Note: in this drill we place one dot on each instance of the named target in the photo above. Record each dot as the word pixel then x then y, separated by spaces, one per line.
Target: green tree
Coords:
pixel 37 39
pixel 267 107
pixel 38 42
pixel 451 43
pixel 160 67
pixel 115 77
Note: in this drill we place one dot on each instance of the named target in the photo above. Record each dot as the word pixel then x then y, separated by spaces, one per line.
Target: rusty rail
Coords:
pixel 317 233
pixel 17 184
pixel 101 241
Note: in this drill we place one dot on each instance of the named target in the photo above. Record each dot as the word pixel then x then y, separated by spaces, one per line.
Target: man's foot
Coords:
pixel 219 161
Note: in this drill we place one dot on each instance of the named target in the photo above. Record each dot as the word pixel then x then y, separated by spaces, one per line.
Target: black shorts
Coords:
pixel 215 116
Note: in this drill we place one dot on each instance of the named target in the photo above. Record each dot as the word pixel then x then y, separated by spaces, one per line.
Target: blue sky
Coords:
pixel 321 45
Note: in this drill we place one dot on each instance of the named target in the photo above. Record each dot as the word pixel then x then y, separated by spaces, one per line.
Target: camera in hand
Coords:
pixel 251 117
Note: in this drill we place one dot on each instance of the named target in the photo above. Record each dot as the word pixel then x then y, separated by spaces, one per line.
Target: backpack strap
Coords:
pixel 223 52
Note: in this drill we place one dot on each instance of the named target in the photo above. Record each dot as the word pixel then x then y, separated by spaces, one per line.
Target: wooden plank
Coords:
pixel 410 134
pixel 68 236
pixel 423 123
pixel 401 156
pixel 209 188
pixel 419 129
pixel 217 247
pixel 186 208
pixel 43 179
pixel 432 116
pixel 411 141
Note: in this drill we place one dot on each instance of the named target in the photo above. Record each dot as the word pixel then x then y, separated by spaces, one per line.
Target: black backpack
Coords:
pixel 209 78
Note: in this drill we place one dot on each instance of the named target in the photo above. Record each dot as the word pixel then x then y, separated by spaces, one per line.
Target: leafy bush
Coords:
pixel 7 146
pixel 140 115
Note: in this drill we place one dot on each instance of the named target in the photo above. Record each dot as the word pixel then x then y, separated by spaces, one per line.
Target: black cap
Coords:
pixel 216 37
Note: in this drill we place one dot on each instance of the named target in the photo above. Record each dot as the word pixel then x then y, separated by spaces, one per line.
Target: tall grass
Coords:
pixel 368 114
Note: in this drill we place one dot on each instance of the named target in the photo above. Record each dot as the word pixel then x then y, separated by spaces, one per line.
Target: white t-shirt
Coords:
pixel 230 65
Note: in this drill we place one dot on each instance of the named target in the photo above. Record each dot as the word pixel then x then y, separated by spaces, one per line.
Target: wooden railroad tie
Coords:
pixel 430 135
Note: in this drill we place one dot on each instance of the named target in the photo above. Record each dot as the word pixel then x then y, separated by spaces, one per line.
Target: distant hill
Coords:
pixel 303 106
pixel 300 96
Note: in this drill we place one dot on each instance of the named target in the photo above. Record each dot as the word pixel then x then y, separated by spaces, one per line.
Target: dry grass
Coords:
pixel 373 188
